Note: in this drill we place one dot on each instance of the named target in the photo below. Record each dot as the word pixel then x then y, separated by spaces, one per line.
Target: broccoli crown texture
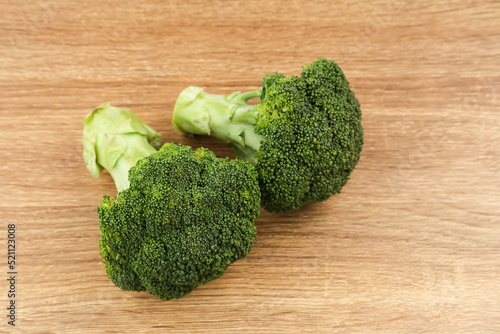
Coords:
pixel 185 217
pixel 304 137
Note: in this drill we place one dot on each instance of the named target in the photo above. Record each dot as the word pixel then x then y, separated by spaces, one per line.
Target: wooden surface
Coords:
pixel 412 245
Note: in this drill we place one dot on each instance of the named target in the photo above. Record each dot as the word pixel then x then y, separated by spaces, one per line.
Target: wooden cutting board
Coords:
pixel 412 245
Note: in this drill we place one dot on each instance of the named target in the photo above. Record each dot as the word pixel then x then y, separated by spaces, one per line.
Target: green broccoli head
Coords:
pixel 304 137
pixel 185 217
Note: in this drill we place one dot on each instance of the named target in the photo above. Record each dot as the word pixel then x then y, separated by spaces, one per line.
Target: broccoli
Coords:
pixel 180 218
pixel 304 137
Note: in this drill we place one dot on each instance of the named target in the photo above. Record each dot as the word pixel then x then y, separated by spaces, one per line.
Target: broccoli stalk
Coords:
pixel 115 139
pixel 227 117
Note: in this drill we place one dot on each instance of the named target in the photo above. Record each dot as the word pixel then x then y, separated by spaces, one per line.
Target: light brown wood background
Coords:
pixel 412 245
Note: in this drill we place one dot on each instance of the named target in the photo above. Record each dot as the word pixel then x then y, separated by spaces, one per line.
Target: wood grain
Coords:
pixel 412 245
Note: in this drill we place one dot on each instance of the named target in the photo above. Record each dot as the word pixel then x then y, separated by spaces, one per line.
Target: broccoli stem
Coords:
pixel 137 148
pixel 115 139
pixel 227 117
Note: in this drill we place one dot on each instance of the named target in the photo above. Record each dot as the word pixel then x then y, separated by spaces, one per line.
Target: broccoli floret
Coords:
pixel 304 137
pixel 181 217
